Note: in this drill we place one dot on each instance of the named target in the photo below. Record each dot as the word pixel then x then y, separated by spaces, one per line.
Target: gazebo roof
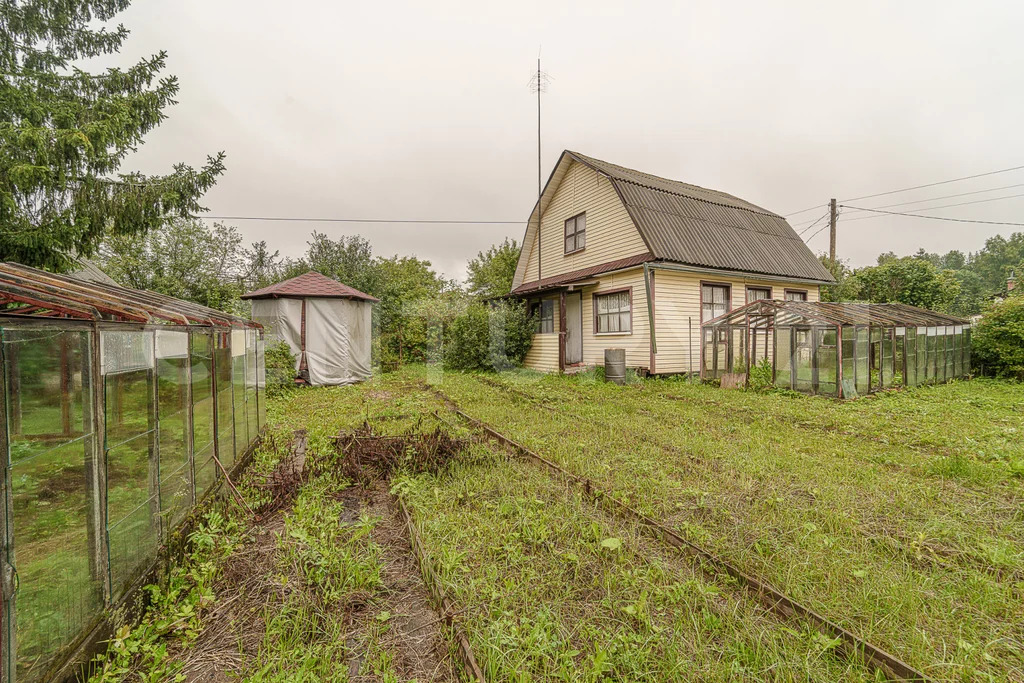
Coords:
pixel 830 313
pixel 309 285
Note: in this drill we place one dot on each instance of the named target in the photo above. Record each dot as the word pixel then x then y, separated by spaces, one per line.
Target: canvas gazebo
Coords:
pixel 327 324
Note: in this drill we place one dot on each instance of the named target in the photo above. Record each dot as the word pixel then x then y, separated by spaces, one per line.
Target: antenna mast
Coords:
pixel 539 84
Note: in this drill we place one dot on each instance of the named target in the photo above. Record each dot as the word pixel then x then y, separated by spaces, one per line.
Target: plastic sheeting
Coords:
pixel 338 335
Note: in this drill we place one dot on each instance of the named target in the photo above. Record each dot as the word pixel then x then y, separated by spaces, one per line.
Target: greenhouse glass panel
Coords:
pixel 708 353
pixel 252 421
pixel 911 357
pixel 51 469
pixel 922 355
pixel 886 370
pixel 863 361
pixel 738 349
pixel 172 367
pixel 784 357
pixel 930 356
pixel 261 381
pixel 898 350
pixel 950 347
pixel 225 404
pixel 803 359
pixel 849 382
pixel 967 350
pixel 202 411
pixel 130 438
pixel 827 360
pixel 238 389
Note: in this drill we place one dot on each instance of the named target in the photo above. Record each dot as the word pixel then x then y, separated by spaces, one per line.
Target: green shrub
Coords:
pixel 998 340
pixel 280 362
pixel 489 337
pixel 761 376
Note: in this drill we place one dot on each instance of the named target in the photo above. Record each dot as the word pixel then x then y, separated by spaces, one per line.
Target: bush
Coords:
pixel 280 363
pixel 998 340
pixel 762 376
pixel 489 337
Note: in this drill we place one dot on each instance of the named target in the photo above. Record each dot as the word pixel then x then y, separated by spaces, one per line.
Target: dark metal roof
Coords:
pixel 311 284
pixel 567 278
pixel 27 291
pixel 781 313
pixel 696 226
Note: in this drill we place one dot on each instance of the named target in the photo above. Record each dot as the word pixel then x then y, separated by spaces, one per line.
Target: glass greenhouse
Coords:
pixel 837 349
pixel 117 406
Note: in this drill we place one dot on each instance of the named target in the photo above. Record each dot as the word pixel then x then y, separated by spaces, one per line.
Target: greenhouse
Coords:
pixel 122 409
pixel 837 349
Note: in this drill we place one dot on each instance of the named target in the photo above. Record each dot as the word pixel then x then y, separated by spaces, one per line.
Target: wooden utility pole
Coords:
pixel 832 216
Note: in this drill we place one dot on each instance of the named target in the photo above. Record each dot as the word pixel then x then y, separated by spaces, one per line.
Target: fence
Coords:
pixel 110 433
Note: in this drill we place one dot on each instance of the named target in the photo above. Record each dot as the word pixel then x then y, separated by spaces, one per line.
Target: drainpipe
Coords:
pixel 650 309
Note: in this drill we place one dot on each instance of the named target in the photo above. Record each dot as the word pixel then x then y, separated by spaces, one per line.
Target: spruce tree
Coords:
pixel 64 133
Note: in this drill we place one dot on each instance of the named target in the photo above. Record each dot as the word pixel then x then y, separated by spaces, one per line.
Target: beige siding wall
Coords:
pixel 677 313
pixel 611 234
pixel 543 354
pixel 637 343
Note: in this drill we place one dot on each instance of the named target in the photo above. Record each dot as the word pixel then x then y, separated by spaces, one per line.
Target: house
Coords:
pixel 624 259
pixel 327 324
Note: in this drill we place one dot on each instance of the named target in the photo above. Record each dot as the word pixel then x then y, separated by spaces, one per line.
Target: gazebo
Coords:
pixel 327 325
pixel 837 349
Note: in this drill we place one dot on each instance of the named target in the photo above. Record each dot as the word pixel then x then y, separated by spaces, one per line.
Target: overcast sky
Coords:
pixel 420 110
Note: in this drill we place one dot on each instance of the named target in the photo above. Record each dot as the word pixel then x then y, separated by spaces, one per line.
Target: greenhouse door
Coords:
pixel 803 359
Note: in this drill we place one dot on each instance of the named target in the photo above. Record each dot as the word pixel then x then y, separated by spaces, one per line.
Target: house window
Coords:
pixel 796 295
pixel 543 313
pixel 714 301
pixel 576 233
pixel 758 294
pixel 613 312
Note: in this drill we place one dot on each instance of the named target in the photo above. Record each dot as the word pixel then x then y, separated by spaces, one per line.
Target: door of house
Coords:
pixel 573 328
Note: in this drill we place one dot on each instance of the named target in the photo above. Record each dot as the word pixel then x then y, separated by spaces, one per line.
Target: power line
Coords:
pixel 812 224
pixel 816 233
pixel 358 220
pixel 795 213
pixel 934 218
pixel 942 182
pixel 934 208
pixel 950 196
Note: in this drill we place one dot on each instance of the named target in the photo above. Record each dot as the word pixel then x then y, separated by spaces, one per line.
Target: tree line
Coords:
pixel 954 282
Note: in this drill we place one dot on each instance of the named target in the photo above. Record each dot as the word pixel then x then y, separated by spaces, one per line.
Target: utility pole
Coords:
pixel 832 217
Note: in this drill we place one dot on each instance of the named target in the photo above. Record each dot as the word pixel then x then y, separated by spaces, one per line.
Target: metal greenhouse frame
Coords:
pixel 837 349
pixel 120 410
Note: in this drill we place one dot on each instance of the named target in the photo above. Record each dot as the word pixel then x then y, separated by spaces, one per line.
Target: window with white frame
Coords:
pixel 613 312
pixel 576 233
pixel 714 301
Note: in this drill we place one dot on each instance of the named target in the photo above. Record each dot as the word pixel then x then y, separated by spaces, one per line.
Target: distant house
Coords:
pixel 326 324
pixel 625 259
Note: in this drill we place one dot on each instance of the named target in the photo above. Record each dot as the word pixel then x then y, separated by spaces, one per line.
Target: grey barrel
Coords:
pixel 615 365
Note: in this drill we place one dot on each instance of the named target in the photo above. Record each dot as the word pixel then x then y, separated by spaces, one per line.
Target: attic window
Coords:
pixel 576 233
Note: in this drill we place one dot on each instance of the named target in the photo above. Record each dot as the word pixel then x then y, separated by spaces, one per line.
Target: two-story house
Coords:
pixel 625 259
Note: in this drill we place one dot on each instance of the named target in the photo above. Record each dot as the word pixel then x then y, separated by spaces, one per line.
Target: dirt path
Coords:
pixel 401 618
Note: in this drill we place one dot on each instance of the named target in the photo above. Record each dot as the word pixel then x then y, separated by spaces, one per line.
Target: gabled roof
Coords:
pixel 692 225
pixel 311 284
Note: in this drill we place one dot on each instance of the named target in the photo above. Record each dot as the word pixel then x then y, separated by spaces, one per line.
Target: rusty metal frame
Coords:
pixel 41 294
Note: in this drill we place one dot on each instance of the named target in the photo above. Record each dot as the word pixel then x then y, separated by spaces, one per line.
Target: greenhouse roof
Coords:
pixel 36 293
pixel 828 313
